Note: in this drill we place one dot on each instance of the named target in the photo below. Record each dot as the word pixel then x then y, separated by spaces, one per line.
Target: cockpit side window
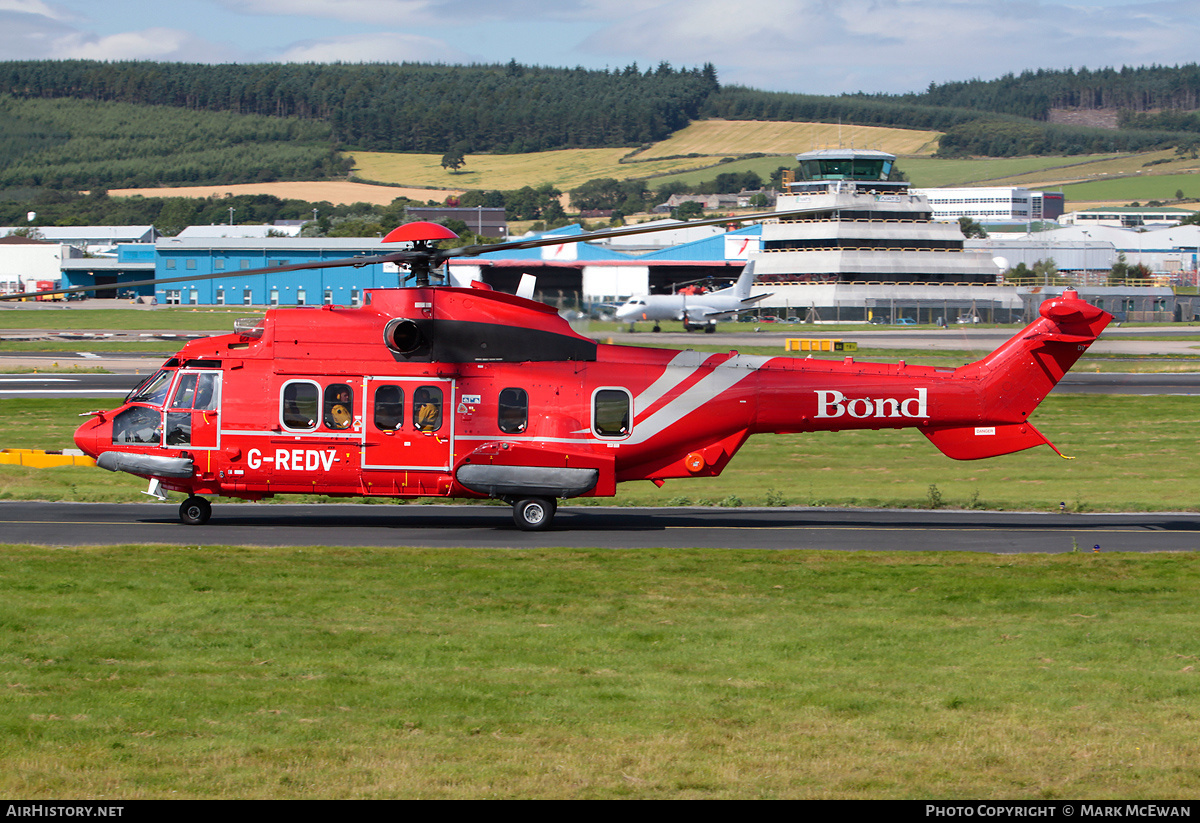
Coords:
pixel 206 392
pixel 300 406
pixel 137 424
pixel 185 392
pixel 154 390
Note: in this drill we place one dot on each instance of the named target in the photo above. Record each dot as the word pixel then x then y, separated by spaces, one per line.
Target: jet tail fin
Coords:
pixel 745 281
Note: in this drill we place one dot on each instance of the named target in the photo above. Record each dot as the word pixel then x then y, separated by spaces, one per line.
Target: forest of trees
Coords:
pixel 405 107
pixel 1034 93
pixel 79 124
pixel 66 144
pixel 987 129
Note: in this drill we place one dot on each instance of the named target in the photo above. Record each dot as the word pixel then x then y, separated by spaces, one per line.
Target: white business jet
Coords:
pixel 697 311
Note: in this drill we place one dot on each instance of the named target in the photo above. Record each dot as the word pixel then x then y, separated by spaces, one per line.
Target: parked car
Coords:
pixel 967 318
pixel 877 321
pixel 904 321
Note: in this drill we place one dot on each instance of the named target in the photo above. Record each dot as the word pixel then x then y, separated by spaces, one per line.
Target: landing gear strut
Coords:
pixel 195 511
pixel 534 514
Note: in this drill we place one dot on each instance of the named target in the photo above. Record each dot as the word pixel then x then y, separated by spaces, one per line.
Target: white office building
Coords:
pixel 993 204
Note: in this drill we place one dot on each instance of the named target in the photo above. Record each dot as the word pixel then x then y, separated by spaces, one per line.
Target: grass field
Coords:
pixel 734 137
pixel 167 672
pixel 713 145
pixel 929 172
pixel 160 318
pixel 564 169
pixel 1141 188
pixel 338 192
pixel 392 672
pixel 708 140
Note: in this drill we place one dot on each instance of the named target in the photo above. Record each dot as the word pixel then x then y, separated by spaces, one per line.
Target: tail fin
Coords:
pixel 1016 377
pixel 741 288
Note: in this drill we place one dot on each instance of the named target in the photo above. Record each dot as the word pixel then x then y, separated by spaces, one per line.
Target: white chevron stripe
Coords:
pixel 723 377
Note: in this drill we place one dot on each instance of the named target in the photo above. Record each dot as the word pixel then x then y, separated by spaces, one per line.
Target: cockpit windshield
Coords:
pixel 153 390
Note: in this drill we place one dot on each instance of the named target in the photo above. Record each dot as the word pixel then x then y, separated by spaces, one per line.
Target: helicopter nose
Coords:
pixel 90 437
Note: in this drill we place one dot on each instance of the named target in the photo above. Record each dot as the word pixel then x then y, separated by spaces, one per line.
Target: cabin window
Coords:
pixel 137 425
pixel 389 408
pixel 514 411
pixel 427 408
pixel 339 406
pixel 610 412
pixel 300 405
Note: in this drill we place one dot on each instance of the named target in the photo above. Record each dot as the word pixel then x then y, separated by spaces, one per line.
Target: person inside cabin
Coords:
pixel 427 409
pixel 206 393
pixel 337 407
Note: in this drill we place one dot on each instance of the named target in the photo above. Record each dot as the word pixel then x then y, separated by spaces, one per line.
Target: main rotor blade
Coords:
pixel 622 231
pixel 391 257
pixel 435 257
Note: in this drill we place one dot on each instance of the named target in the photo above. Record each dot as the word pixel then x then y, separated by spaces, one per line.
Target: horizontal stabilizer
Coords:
pixel 975 442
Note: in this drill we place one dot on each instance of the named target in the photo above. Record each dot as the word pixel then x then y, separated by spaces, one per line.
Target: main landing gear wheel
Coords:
pixel 195 511
pixel 534 514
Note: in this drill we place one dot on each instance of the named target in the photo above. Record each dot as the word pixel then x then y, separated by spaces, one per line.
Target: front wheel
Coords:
pixel 195 511
pixel 534 514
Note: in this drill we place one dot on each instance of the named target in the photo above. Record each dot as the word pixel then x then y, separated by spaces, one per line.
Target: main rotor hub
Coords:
pixel 424 236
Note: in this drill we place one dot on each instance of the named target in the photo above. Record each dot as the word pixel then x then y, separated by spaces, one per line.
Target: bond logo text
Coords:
pixel 833 403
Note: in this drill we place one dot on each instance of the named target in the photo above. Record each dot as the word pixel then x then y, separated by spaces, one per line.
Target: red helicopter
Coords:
pixel 435 391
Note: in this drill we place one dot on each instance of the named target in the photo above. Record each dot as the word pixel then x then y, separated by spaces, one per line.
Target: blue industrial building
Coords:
pixel 177 259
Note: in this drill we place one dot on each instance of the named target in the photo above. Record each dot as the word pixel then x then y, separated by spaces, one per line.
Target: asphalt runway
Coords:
pixel 438 526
